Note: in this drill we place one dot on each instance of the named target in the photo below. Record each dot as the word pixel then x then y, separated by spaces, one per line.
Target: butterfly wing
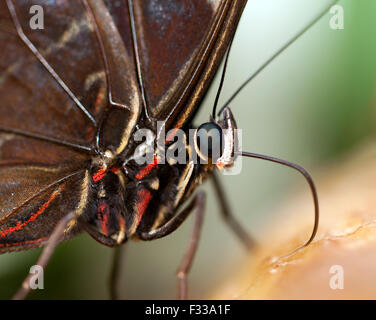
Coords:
pixel 46 136
pixel 156 57
pixel 179 46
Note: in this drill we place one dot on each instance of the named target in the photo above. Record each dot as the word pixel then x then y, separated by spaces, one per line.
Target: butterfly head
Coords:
pixel 216 141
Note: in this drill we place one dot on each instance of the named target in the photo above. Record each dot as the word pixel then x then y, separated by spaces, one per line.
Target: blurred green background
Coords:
pixel 312 105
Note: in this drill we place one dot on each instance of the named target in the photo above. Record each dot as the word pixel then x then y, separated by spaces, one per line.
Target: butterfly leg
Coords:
pixel 46 254
pixel 115 272
pixel 228 216
pixel 186 263
pixel 197 204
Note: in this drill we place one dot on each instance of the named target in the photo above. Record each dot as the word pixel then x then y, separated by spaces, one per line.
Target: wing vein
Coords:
pixel 44 62
pixel 47 139
pixel 136 52
pixel 51 185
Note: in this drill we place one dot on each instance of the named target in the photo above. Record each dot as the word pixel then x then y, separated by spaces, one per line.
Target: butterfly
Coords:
pixel 77 94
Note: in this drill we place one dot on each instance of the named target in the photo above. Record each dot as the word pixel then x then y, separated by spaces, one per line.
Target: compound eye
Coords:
pixel 209 141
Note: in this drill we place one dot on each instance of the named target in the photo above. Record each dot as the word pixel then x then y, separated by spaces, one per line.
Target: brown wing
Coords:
pixel 31 99
pixel 159 52
pixel 28 217
pixel 47 131
pixel 180 45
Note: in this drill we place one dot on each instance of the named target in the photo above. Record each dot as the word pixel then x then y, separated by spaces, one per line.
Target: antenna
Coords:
pixel 222 79
pixel 274 56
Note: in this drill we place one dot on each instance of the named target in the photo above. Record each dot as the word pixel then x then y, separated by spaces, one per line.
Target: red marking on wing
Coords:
pixel 103 216
pixel 20 225
pixel 99 174
pixel 115 169
pixel 145 171
pixel 144 197
pixel 15 244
